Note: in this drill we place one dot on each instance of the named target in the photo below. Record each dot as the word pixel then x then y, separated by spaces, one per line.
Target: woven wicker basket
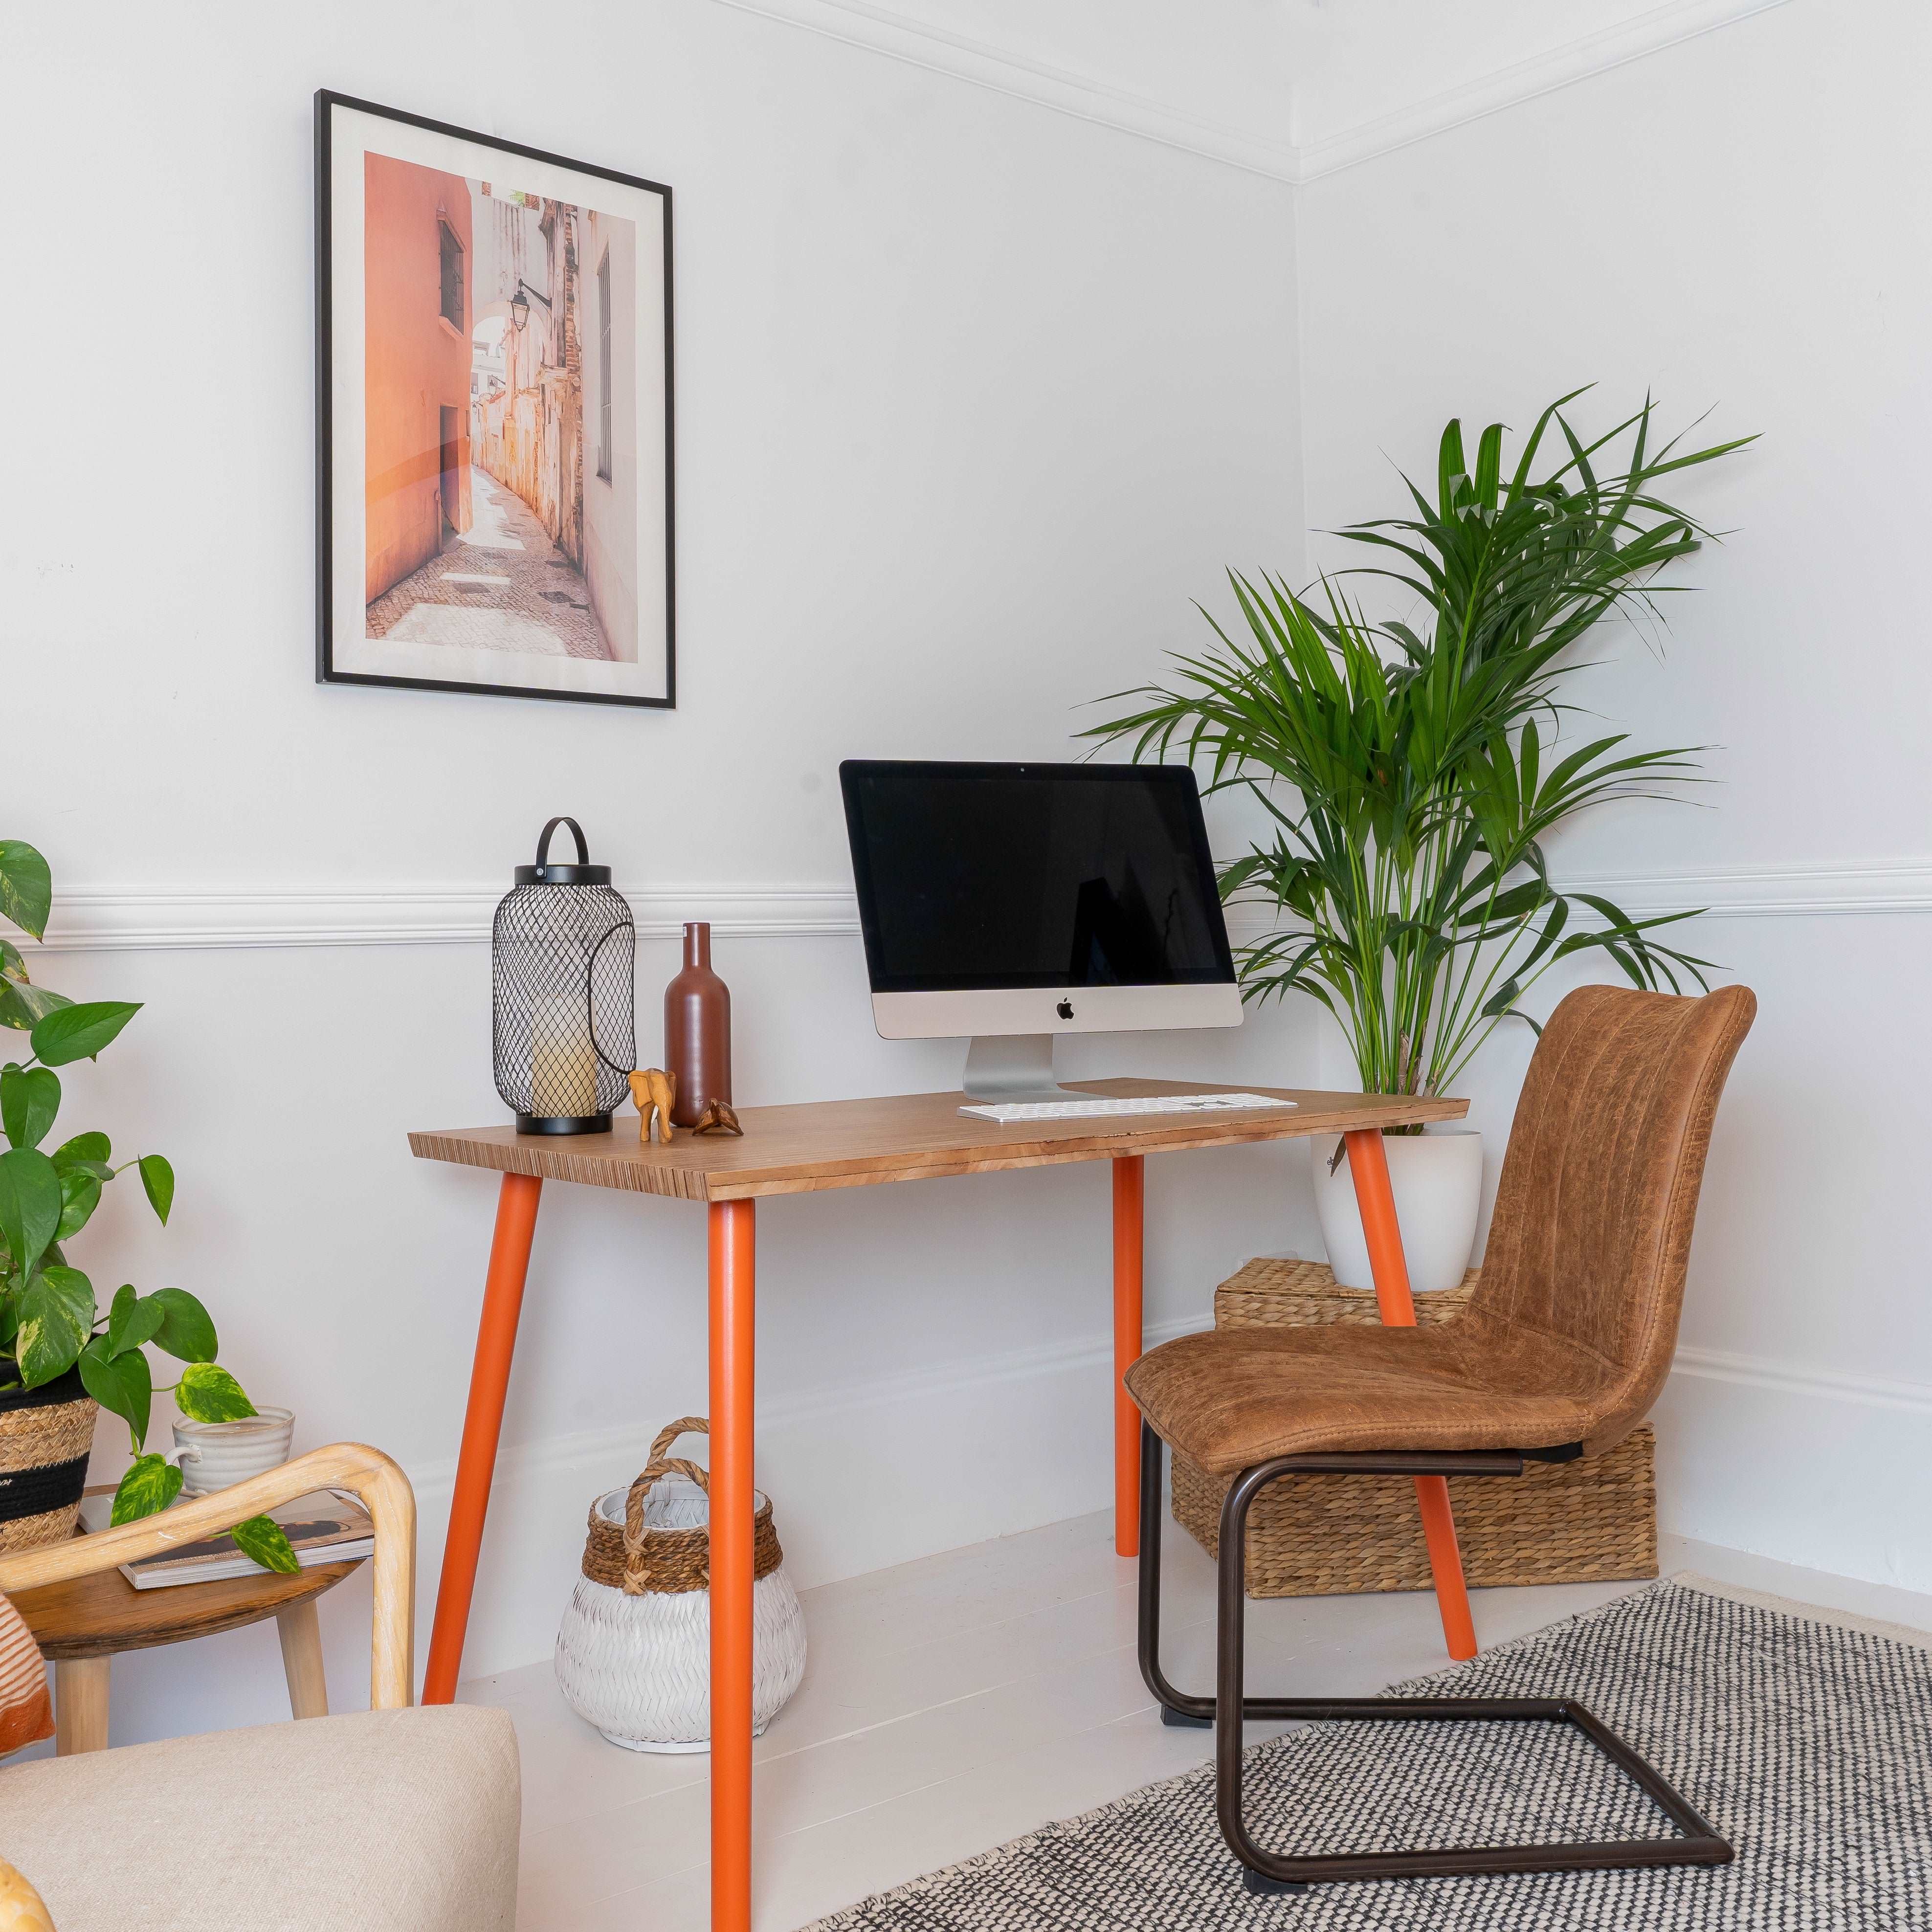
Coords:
pixel 633 1651
pixel 45 1435
pixel 1316 1536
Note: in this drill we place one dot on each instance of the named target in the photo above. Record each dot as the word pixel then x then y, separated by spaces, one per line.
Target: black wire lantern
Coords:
pixel 563 965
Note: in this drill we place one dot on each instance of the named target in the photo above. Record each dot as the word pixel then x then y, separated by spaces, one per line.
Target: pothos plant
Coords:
pixel 50 1321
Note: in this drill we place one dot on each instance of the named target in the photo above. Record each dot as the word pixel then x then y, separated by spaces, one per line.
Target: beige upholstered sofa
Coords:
pixel 393 1819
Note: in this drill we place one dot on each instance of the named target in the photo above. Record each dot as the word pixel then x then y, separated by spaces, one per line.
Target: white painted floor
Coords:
pixel 951 1704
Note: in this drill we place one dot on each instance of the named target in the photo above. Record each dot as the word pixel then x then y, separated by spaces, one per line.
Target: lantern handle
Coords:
pixel 576 832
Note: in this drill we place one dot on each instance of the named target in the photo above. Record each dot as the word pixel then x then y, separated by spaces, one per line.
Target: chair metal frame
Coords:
pixel 1270 1871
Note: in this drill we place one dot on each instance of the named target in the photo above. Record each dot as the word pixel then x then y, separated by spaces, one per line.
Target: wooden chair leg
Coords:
pixel 80 1704
pixel 301 1660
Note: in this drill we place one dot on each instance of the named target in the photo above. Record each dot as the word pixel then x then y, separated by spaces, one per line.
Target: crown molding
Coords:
pixel 1666 26
pixel 881 29
pixel 106 919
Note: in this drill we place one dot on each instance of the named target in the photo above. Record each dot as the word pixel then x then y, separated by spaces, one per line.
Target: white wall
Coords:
pixel 971 397
pixel 1734 222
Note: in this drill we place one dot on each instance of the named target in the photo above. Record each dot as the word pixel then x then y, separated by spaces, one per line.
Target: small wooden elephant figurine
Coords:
pixel 656 1093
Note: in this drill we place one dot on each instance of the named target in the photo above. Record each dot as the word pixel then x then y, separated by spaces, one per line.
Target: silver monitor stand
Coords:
pixel 1013 1067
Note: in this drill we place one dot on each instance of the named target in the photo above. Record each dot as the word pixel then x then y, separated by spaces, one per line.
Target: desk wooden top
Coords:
pixel 801 1150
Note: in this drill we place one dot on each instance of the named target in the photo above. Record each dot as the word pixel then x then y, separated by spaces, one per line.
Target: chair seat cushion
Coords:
pixel 1230 1398
pixel 388 1821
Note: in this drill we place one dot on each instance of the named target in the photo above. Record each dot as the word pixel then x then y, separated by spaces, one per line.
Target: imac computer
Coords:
pixel 1012 903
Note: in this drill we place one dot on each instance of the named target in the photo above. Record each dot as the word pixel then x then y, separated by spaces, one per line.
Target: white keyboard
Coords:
pixel 1012 1113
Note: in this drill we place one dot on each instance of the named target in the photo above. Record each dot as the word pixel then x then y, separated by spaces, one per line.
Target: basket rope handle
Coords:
pixel 636 1564
pixel 685 1425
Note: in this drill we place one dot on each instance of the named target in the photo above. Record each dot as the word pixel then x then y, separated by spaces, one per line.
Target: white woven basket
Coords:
pixel 635 1661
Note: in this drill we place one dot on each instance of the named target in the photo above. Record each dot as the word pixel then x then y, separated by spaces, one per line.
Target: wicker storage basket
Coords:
pixel 634 1650
pixel 1316 1536
pixel 45 1435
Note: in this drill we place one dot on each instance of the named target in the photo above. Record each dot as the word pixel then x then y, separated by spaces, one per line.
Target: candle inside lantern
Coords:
pixel 563 1067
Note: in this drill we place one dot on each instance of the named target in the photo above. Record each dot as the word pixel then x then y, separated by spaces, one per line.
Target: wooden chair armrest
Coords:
pixel 368 1473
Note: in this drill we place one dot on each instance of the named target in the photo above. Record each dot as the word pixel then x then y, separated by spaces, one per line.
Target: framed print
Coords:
pixel 494 404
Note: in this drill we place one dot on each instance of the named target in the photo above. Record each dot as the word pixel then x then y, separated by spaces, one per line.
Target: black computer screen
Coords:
pixel 988 876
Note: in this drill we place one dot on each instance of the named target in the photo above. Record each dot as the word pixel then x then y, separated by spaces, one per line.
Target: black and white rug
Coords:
pixel 1807 1741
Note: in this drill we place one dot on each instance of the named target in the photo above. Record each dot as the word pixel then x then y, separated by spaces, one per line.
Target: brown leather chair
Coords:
pixel 1561 1350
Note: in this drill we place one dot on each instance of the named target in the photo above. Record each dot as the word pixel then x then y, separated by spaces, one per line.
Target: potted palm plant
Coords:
pixel 60 1354
pixel 1411 769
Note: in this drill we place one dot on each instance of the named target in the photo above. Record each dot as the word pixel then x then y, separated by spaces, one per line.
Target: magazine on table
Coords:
pixel 329 1526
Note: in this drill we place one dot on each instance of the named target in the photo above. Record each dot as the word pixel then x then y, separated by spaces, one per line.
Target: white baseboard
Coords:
pixel 862 1476
pixel 1815 1384
pixel 844 1464
pixel 1807 1469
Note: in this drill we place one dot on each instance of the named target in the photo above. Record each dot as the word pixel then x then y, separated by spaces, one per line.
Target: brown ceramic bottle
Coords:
pixel 697 1030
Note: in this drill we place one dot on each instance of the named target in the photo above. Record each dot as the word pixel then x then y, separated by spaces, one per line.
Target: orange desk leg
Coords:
pixel 482 1422
pixel 1130 1193
pixel 1368 1166
pixel 732 1241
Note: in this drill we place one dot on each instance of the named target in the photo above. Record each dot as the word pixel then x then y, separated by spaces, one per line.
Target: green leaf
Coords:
pixel 80 1194
pixel 121 1383
pixel 79 1032
pixel 24 1007
pixel 92 1151
pixel 151 1483
pixel 30 1205
pixel 262 1538
pixel 12 966
pixel 158 1178
pixel 26 886
pixel 30 1097
pixel 56 1317
pixel 187 1332
pixel 132 1319
pixel 206 1393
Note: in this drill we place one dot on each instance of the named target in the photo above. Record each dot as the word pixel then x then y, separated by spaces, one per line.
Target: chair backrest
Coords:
pixel 1592 1232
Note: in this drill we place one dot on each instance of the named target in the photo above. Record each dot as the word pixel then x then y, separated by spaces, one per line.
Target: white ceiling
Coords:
pixel 1295 87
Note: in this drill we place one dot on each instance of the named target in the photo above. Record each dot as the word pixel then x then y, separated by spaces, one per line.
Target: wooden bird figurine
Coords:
pixel 654 1092
pixel 717 1118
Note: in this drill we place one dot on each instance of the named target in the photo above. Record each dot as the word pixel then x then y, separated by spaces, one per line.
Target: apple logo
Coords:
pixel 1065 1009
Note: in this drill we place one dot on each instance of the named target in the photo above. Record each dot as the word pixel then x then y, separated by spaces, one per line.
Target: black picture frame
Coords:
pixel 328 670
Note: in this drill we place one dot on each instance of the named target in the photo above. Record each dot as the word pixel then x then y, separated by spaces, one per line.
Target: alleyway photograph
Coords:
pixel 501 493
pixel 502 583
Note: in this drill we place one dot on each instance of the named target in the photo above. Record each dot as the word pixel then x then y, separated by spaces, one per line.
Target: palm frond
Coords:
pixel 1412 768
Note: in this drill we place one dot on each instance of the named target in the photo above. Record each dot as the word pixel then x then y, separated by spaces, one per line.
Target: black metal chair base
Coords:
pixel 1698 1844
pixel 1269 1887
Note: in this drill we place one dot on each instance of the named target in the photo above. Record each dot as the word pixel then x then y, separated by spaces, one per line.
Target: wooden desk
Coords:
pixel 803 1149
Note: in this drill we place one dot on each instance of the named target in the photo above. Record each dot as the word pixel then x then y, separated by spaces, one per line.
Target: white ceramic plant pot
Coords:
pixel 1438 1182
pixel 216 1455
pixel 639 1667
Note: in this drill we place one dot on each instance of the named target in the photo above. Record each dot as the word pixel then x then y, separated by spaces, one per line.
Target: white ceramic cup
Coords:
pixel 213 1455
